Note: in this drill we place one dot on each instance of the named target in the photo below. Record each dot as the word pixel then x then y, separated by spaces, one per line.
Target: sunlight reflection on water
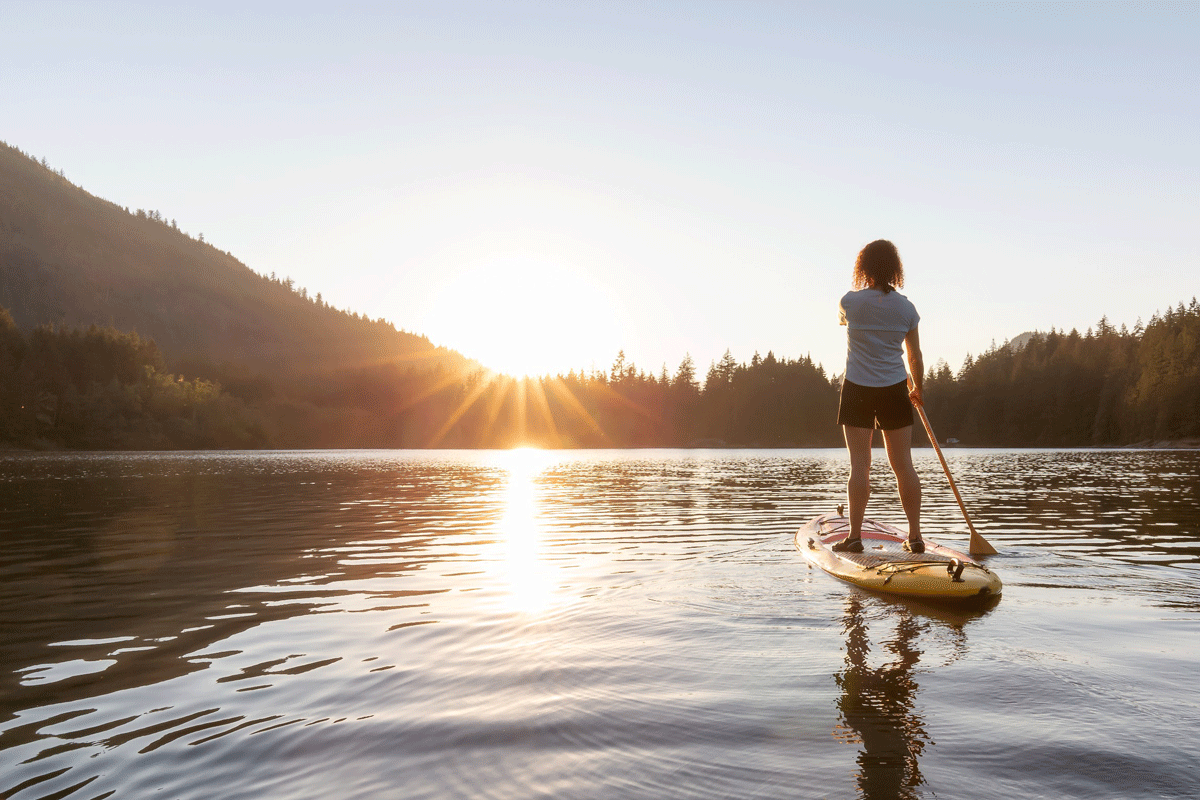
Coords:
pixel 527 572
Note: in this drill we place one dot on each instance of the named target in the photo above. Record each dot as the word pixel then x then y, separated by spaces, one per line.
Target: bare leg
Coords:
pixel 899 450
pixel 858 488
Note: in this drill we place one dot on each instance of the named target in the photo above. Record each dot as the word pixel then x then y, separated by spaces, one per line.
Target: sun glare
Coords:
pixel 522 558
pixel 525 317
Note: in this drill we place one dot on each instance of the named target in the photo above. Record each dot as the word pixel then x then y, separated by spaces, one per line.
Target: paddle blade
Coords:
pixel 979 546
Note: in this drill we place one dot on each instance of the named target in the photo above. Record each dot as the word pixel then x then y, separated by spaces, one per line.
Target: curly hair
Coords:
pixel 878 266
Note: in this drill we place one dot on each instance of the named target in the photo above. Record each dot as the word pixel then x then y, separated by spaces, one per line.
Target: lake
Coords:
pixel 598 624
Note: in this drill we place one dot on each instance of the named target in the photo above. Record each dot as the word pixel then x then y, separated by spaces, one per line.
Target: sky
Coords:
pixel 543 185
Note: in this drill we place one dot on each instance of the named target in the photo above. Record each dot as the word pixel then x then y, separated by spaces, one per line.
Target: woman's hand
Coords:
pixel 915 394
pixel 916 367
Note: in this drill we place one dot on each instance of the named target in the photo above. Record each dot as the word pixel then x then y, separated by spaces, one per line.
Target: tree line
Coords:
pixel 770 402
pixel 1107 386
pixel 100 388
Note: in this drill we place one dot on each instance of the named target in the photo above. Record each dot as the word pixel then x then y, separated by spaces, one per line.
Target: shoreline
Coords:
pixel 1189 443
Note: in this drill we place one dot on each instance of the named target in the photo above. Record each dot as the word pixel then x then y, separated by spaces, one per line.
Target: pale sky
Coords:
pixel 540 185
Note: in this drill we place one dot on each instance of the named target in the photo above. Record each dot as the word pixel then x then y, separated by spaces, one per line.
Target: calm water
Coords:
pixel 585 625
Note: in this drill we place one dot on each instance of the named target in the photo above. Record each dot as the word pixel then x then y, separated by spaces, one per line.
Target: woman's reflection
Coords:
pixel 878 707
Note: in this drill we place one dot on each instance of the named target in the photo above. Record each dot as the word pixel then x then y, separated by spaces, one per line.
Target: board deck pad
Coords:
pixel 884 551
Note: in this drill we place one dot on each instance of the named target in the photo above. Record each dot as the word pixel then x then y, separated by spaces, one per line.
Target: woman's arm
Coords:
pixel 916 367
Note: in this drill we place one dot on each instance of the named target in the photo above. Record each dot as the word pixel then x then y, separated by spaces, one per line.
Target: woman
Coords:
pixel 877 391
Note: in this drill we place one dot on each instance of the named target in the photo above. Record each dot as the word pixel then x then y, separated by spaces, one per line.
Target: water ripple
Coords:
pixel 592 624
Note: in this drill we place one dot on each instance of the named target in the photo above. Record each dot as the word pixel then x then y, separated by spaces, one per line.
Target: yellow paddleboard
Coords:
pixel 940 573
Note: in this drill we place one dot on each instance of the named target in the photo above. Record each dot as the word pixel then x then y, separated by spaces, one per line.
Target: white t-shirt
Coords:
pixel 877 323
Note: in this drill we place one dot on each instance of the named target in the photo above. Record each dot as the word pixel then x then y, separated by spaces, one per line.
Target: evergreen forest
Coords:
pixel 1056 389
pixel 101 388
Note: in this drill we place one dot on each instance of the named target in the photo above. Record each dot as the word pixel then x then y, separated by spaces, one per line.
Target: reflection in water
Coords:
pixel 528 574
pixel 878 707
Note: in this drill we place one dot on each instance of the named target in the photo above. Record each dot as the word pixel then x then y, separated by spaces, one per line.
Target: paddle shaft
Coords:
pixel 978 545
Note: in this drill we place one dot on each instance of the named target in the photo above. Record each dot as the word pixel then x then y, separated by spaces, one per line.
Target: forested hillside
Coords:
pixel 70 258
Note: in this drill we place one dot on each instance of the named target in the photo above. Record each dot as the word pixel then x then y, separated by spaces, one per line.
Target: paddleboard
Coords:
pixel 940 573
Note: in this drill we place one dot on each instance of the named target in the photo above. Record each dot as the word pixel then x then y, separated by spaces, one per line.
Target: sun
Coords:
pixel 526 317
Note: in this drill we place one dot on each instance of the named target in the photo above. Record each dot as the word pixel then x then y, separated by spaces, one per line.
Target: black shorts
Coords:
pixel 885 407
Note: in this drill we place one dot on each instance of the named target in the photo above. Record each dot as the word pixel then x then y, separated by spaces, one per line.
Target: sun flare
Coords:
pixel 526 317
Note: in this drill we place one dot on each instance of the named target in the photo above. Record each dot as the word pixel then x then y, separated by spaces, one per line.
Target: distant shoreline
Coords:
pixel 1171 444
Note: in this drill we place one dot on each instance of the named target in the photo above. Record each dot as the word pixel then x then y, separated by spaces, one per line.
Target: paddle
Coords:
pixel 979 546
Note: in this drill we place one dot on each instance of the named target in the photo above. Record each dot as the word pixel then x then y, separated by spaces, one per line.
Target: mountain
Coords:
pixel 1018 342
pixel 70 258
